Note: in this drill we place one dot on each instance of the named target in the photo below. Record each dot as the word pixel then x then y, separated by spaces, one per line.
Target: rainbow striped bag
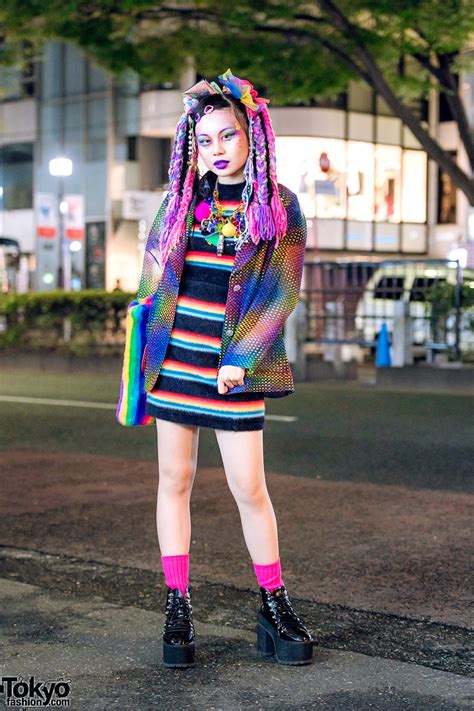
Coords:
pixel 132 399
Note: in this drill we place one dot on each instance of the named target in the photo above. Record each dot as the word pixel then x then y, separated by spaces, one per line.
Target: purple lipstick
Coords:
pixel 221 163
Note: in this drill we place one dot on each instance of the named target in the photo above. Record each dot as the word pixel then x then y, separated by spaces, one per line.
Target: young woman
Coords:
pixel 221 274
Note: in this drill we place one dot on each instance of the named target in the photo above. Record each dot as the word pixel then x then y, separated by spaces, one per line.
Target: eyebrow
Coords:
pixel 232 128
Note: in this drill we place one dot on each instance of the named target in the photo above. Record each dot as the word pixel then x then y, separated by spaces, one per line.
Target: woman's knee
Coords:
pixel 177 457
pixel 176 479
pixel 248 491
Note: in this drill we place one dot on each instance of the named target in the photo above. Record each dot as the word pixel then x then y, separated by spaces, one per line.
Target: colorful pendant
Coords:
pixel 216 225
pixel 229 230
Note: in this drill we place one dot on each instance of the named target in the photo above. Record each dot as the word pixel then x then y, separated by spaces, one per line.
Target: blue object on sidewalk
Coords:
pixel 383 358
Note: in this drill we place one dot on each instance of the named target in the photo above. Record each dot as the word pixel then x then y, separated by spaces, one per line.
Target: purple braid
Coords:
pixel 260 221
pixel 278 209
pixel 249 176
pixel 177 208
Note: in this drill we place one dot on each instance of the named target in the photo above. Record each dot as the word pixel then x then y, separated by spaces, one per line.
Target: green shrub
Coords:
pixel 78 321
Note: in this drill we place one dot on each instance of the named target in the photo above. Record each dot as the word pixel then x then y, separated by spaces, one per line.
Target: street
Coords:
pixel 372 501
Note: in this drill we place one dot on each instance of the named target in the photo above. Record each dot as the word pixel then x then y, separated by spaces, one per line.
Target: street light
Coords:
pixel 61 168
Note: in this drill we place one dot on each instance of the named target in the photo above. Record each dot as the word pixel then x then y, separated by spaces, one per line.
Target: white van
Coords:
pixel 409 283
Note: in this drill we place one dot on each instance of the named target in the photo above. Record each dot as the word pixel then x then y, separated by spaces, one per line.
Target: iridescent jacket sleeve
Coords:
pixel 277 296
pixel 151 271
pixel 131 408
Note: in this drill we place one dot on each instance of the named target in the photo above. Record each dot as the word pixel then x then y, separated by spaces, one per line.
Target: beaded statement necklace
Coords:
pixel 218 225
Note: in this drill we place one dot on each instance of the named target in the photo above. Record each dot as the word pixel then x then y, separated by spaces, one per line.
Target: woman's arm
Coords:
pixel 277 296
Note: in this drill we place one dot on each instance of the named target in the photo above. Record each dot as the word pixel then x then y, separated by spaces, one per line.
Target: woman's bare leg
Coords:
pixel 242 456
pixel 177 462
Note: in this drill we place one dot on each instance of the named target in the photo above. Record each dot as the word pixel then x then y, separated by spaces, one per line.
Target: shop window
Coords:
pixel 414 186
pixel 446 197
pixel 387 183
pixel 321 189
pixel 360 181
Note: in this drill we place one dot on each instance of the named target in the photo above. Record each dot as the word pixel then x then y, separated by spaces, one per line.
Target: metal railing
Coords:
pixel 347 302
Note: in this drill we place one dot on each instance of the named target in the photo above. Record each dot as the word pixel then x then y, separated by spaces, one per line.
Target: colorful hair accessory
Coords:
pixel 243 90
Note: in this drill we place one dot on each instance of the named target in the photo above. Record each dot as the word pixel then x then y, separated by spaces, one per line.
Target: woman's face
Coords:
pixel 220 137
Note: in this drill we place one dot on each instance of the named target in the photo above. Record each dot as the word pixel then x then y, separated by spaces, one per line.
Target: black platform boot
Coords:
pixel 178 633
pixel 280 631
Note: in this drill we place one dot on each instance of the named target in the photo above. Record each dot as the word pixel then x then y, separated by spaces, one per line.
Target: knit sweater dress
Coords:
pixel 186 388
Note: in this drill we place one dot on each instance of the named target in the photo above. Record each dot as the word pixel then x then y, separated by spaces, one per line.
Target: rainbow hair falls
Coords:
pixel 265 214
pixel 174 219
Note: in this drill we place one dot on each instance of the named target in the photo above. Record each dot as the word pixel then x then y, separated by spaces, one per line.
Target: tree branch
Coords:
pixel 431 146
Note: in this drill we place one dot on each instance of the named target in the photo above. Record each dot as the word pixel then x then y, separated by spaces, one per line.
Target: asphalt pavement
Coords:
pixel 377 563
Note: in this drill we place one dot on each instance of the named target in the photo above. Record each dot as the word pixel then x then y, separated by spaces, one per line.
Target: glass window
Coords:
pixel 50 128
pixel 421 285
pixel 359 235
pixel 389 287
pixel 96 77
pixel 446 197
pixel 16 176
pixel 386 236
pixel 16 83
pixel 321 192
pixel 75 74
pixel 414 186
pixel 387 183
pixel 96 129
pixel 52 70
pixel 360 180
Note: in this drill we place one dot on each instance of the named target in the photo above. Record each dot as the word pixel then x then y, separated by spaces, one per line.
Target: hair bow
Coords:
pixel 240 88
pixel 243 90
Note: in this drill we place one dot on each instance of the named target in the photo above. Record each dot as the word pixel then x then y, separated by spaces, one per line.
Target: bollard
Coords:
pixel 383 358
pixel 402 347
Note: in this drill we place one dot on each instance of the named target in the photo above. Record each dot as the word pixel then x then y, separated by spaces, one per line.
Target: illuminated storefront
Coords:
pixel 356 195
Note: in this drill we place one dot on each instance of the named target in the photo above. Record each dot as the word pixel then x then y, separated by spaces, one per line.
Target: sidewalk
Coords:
pixel 111 656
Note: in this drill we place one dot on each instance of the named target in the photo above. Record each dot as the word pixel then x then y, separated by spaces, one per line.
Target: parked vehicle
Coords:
pixel 411 283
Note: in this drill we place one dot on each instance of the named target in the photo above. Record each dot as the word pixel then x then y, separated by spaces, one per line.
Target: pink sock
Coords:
pixel 269 576
pixel 176 570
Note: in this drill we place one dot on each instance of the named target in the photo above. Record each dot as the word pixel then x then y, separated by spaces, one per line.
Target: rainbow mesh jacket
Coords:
pixel 264 288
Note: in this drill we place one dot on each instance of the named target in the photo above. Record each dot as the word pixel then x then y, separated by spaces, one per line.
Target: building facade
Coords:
pixel 364 183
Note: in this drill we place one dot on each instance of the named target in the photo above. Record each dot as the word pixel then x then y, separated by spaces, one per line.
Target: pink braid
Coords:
pixel 260 221
pixel 278 209
pixel 177 208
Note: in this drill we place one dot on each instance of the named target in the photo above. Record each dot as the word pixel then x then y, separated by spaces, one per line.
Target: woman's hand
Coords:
pixel 228 377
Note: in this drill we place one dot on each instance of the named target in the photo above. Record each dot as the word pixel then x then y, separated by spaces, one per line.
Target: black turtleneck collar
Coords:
pixel 226 191
pixel 231 191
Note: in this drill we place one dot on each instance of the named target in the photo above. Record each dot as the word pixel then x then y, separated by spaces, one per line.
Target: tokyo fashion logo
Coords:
pixel 29 692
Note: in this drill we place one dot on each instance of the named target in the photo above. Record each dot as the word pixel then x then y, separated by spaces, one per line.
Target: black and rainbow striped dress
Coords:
pixel 186 388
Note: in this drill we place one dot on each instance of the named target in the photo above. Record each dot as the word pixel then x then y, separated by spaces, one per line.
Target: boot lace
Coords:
pixel 178 613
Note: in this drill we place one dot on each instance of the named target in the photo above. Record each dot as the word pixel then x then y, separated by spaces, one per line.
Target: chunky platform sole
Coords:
pixel 286 652
pixel 178 655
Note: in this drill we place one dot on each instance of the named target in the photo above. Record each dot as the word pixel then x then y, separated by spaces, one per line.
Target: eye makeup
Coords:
pixel 230 131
